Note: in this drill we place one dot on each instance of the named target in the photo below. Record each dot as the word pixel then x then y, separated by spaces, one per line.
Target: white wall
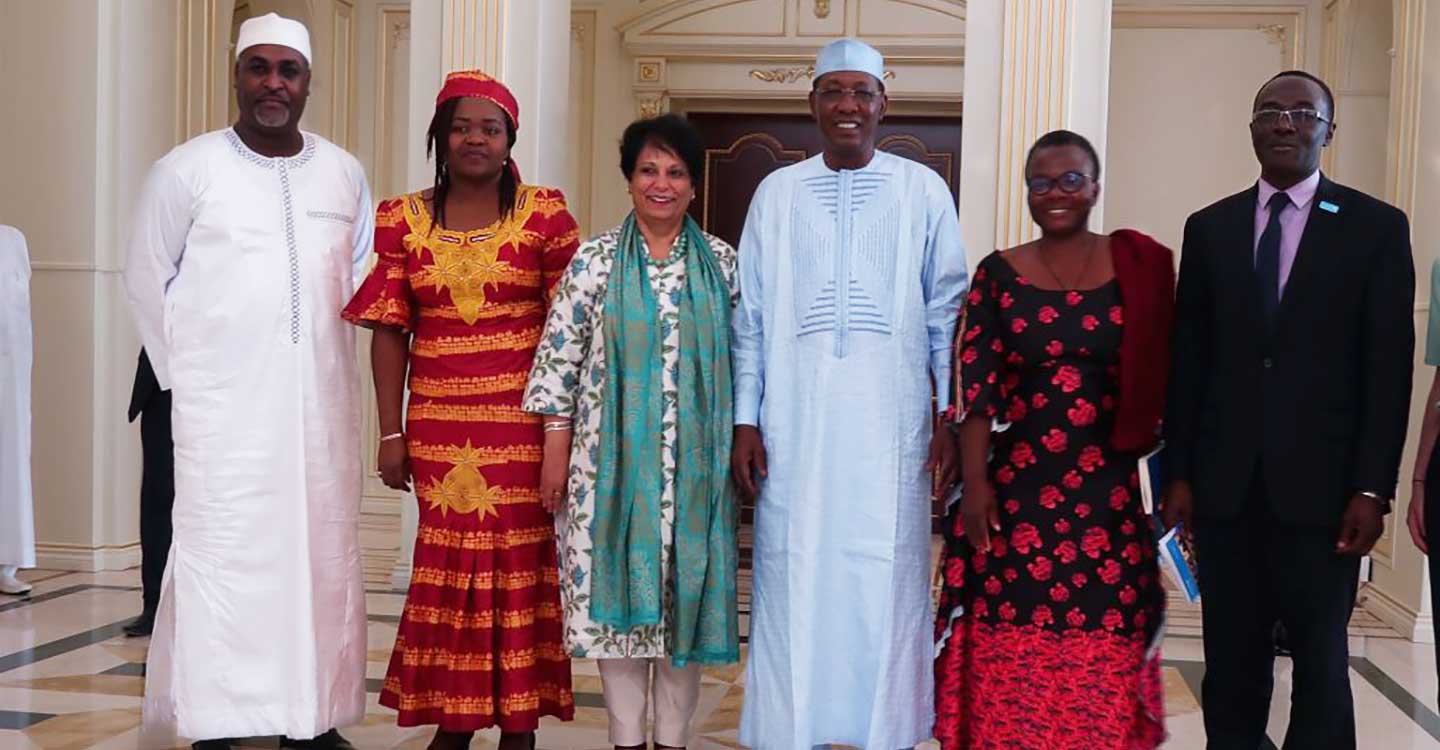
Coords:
pixel 1401 585
pixel 95 105
pixel 1182 82
pixel 614 109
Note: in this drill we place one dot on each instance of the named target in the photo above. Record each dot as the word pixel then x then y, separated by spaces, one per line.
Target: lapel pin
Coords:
pixel 1330 207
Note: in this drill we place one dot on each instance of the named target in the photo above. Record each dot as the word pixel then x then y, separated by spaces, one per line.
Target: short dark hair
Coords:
pixel 671 133
pixel 1057 138
pixel 1324 87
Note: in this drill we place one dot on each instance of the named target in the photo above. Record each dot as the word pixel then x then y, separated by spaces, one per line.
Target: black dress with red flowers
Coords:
pixel 1047 640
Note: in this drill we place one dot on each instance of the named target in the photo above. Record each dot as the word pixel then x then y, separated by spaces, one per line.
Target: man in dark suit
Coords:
pixel 1288 405
pixel 157 488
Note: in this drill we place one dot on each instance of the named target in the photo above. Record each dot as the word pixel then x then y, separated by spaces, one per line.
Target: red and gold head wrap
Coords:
pixel 474 83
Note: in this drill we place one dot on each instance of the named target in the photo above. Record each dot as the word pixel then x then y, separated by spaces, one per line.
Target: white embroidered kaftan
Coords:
pixel 17 520
pixel 850 286
pixel 237 269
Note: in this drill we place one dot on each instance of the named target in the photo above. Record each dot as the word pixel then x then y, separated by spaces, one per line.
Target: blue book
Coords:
pixel 1177 559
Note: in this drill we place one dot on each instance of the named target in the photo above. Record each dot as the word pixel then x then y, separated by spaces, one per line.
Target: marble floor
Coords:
pixel 69 679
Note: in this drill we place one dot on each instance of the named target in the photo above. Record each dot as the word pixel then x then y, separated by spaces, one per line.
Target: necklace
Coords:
pixel 1084 267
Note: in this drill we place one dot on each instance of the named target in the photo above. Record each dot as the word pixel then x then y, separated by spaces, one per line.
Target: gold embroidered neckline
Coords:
pixel 466 263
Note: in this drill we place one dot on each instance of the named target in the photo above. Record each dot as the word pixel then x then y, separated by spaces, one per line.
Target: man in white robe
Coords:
pixel 17 523
pixel 851 275
pixel 247 242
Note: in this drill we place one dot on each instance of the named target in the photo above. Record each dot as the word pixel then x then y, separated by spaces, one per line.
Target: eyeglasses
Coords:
pixel 831 97
pixel 1070 182
pixel 1296 118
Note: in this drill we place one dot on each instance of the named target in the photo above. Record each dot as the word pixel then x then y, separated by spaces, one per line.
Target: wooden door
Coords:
pixel 741 149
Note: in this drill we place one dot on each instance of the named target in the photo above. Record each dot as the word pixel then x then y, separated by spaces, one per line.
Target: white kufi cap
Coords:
pixel 852 55
pixel 273 29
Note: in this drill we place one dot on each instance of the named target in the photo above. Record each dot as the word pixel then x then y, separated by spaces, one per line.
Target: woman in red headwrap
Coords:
pixel 458 297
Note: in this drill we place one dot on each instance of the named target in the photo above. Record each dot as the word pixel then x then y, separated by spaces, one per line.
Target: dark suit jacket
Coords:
pixel 1319 403
pixel 145 389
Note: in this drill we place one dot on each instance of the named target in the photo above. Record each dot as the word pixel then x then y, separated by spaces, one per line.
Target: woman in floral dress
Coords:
pixel 459 295
pixel 646 518
pixel 1052 599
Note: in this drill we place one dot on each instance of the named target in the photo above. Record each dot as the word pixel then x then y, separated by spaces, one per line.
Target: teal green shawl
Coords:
pixel 627 588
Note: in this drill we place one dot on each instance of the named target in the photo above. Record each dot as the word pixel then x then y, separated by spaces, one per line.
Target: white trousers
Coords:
pixel 628 687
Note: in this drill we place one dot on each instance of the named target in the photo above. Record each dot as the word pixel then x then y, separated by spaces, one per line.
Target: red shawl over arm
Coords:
pixel 1145 270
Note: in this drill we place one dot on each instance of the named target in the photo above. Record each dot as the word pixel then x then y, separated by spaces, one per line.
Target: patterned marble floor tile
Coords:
pixel 90 684
pixel 11 739
pixel 1179 699
pixel 45 621
pixel 725 715
pixel 92 687
pixel 60 702
pixel 80 731
pixel 91 659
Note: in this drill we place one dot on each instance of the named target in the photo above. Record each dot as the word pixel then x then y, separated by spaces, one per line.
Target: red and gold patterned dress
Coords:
pixel 480 643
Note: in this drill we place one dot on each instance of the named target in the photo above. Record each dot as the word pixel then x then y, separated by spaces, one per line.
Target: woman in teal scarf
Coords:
pixel 633 377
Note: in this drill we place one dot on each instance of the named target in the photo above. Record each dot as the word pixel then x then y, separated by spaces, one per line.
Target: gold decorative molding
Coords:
pixel 1275 32
pixel 649 71
pixel 783 75
pixel 650 104
pixel 791 75
pixel 822 8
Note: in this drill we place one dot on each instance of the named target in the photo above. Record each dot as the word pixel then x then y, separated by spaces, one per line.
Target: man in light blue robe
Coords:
pixel 851 276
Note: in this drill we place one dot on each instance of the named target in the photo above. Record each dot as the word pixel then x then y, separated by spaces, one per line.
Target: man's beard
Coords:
pixel 273 117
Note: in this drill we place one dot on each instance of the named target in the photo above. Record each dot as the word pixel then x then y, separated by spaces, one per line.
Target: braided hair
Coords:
pixel 438 145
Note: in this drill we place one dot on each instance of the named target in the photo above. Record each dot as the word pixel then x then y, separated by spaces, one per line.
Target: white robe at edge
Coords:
pixel 17 519
pixel 850 286
pixel 237 269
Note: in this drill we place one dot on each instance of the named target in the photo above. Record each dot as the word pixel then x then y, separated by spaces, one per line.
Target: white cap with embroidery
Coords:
pixel 273 28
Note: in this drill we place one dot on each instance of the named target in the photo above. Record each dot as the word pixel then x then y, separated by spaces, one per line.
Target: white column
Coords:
pixel 73 165
pixel 536 40
pixel 1031 66
pixel 526 45
pixel 1400 591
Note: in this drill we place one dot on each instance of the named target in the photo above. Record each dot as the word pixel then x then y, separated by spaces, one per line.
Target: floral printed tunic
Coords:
pixel 568 380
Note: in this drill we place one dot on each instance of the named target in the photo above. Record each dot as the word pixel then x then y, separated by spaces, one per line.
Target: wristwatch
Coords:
pixel 1384 502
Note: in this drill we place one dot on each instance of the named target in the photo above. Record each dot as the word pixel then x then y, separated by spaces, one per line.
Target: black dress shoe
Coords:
pixel 331 740
pixel 141 626
pixel 210 745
